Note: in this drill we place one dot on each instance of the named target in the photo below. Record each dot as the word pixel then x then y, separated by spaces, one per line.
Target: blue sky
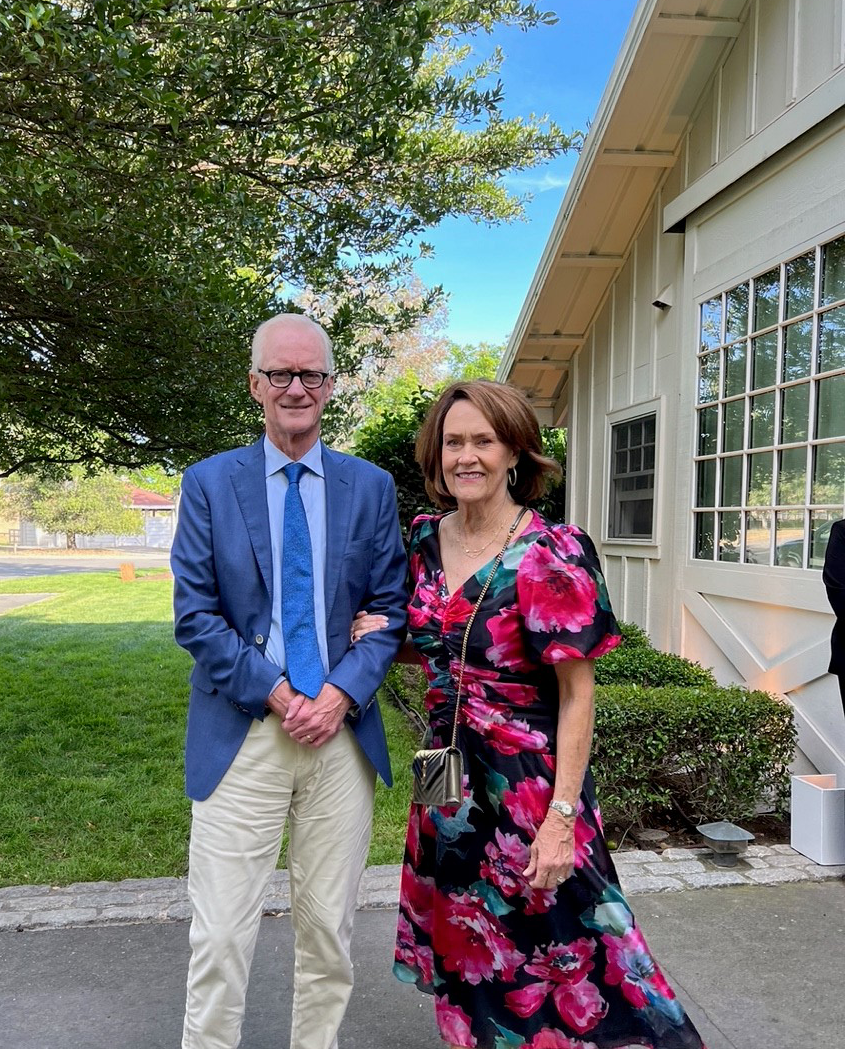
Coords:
pixel 560 70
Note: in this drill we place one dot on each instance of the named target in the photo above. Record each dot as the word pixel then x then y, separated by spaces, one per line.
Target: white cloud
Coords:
pixel 526 183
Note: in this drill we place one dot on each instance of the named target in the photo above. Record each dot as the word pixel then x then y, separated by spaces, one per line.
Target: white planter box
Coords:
pixel 818 819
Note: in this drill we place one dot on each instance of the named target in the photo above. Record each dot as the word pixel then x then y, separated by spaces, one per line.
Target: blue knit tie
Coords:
pixel 305 667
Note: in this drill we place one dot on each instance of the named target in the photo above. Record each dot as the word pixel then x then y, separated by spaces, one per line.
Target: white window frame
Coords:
pixel 650 544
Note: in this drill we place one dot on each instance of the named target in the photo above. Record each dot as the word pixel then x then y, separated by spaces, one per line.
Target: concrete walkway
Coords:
pixel 26 907
pixel 757 967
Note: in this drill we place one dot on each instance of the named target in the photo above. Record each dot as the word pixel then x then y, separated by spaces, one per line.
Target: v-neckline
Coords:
pixel 448 594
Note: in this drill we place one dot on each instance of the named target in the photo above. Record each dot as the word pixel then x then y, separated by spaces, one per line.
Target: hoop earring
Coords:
pixel 512 476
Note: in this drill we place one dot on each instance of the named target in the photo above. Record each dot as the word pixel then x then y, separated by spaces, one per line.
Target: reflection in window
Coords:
pixel 708 421
pixel 829 474
pixel 708 381
pixel 729 536
pixel 706 483
pixel 736 317
pixel 704 534
pixel 731 481
pixel 770 439
pixel 792 476
pixel 758 537
pixel 734 426
pixel 789 539
pixel 830 407
pixel 833 271
pixel 764 360
pixel 800 283
pixel 798 351
pixel 762 420
pixel 832 340
pixel 795 413
pixel 766 299
pixel 760 474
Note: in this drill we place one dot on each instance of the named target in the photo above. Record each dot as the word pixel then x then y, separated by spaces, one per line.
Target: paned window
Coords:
pixel 770 414
pixel 632 479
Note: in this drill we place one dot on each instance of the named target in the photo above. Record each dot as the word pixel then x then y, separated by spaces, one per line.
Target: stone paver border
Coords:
pixel 166 899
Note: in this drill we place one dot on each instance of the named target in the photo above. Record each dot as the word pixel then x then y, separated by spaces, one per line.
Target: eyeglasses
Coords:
pixel 282 378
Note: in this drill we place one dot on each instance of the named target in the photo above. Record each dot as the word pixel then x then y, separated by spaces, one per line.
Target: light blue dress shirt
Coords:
pixel 312 488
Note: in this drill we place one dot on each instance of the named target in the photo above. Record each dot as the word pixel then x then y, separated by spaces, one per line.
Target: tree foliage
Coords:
pixel 173 172
pixel 81 504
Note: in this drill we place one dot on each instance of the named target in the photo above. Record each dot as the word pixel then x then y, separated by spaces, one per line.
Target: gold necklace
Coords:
pixel 481 549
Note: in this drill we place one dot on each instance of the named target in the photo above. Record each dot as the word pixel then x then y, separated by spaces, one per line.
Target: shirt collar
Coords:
pixel 275 459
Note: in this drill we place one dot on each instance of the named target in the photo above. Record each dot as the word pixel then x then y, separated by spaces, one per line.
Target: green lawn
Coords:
pixel 94 693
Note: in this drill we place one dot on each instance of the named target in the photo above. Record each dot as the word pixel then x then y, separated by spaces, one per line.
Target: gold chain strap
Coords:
pixel 471 620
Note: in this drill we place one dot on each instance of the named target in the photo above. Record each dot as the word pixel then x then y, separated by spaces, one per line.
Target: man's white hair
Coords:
pixel 288 320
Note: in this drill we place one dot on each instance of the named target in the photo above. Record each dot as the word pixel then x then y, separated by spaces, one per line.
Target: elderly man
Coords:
pixel 278 546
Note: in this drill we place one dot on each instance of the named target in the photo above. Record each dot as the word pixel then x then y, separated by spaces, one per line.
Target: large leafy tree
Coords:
pixel 172 172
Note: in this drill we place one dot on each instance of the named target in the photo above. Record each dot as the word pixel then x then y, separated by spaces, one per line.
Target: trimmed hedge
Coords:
pixel 704 753
pixel 668 739
pixel 637 662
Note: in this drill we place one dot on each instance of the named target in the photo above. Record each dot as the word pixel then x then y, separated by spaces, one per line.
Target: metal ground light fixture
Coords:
pixel 727 841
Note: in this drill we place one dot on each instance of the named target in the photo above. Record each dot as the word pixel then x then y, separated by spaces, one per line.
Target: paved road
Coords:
pixel 755 966
pixel 22 566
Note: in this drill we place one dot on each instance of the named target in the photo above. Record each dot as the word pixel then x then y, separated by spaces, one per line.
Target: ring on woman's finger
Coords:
pixel 560 881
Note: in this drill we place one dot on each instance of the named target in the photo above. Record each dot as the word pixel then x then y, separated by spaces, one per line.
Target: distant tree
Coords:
pixel 78 505
pixel 173 172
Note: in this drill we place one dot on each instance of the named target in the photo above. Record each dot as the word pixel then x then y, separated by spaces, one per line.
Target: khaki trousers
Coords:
pixel 326 795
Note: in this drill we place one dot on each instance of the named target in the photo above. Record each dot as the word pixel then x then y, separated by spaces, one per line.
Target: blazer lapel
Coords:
pixel 338 494
pixel 251 493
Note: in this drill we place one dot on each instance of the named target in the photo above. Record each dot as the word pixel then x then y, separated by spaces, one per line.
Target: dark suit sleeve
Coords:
pixel 225 661
pixel 363 668
pixel 834 569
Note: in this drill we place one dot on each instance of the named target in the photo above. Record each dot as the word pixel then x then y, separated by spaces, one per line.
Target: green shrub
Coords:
pixel 704 753
pixel 637 662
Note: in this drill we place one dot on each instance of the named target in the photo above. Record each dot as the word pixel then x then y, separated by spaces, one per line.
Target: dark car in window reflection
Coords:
pixel 790 553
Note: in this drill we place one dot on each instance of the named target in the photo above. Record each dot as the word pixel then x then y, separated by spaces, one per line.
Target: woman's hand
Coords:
pixel 365 623
pixel 552 853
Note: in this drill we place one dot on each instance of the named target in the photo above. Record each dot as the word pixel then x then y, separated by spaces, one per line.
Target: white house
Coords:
pixel 686 323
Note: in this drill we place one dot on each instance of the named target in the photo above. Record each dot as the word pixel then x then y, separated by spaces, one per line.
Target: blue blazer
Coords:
pixel 222 569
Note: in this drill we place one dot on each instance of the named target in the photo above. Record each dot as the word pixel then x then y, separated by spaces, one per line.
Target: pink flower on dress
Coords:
pixel 412 954
pixel 528 803
pixel 504 733
pixel 473 942
pixel 631 967
pixel 507 858
pixel 528 806
pixel 456 612
pixel 563 971
pixel 427 598
pixel 416 897
pixel 479 683
pixel 453 1023
pixel 608 642
pixel 562 595
pixel 549 1039
pixel 507 649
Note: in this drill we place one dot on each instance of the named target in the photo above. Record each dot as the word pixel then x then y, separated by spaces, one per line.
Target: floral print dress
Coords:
pixel 512 967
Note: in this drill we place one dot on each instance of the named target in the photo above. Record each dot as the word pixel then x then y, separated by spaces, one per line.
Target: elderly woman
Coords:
pixel 510 909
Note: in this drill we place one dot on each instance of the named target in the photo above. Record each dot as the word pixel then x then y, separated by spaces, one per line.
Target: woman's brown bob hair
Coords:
pixel 509 412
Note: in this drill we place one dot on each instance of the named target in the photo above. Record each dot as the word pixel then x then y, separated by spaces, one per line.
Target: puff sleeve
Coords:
pixel 562 598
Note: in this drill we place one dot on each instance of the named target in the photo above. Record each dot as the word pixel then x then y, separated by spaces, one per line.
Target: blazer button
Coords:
pixel 259 639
